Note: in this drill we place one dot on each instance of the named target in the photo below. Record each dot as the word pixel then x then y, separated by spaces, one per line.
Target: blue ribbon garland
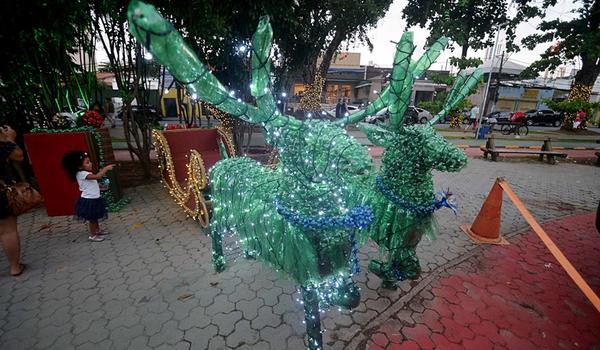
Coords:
pixel 442 199
pixel 358 217
pixel 419 210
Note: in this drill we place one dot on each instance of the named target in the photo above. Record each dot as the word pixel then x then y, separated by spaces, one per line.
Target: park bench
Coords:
pixel 546 150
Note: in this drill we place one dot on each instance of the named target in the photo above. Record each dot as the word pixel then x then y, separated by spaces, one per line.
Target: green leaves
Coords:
pixel 578 38
pixel 470 23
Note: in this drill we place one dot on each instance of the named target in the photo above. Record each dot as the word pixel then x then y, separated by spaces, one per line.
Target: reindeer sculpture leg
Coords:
pixel 217 254
pixel 312 317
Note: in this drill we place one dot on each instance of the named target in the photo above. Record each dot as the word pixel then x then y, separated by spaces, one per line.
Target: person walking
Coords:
pixel 338 109
pixel 9 235
pixel 344 109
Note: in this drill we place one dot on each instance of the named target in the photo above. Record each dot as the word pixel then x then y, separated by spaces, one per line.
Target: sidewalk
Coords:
pixel 506 297
pixel 151 284
pixel 459 137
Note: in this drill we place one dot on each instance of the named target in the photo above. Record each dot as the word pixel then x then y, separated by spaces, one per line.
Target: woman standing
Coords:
pixel 9 151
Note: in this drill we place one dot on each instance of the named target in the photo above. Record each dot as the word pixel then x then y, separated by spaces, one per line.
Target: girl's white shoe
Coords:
pixel 96 238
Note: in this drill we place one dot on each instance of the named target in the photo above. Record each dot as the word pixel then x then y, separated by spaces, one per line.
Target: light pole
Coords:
pixel 487 86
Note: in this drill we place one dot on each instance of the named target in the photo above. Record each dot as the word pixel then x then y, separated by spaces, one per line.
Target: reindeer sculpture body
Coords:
pixel 301 217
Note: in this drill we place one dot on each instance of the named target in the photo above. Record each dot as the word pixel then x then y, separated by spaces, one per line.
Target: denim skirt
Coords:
pixel 88 209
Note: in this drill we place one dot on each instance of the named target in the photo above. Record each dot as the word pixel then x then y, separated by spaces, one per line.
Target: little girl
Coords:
pixel 90 206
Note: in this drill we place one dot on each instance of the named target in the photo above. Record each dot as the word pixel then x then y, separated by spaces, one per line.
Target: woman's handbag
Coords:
pixel 21 197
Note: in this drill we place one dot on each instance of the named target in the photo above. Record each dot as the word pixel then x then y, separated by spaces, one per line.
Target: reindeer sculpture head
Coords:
pixel 318 158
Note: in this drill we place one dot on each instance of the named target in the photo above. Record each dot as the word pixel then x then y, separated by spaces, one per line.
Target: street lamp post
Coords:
pixel 487 86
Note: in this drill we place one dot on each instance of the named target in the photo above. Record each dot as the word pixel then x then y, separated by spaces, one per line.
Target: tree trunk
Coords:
pixel 329 52
pixel 582 86
pixel 585 78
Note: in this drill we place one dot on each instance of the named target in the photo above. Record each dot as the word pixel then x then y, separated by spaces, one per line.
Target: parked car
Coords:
pixel 351 110
pixel 543 116
pixel 378 117
pixel 416 115
pixel 141 112
pixel 413 115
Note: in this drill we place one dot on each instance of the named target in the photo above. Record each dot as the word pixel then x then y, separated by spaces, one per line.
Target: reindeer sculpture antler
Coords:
pixel 397 93
pixel 166 44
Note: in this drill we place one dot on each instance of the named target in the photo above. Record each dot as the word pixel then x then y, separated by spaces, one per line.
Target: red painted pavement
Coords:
pixel 508 297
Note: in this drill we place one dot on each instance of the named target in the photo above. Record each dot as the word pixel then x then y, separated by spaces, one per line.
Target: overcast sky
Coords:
pixel 392 25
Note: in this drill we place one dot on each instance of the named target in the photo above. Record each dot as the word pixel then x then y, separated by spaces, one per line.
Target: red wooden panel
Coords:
pixel 205 141
pixel 45 153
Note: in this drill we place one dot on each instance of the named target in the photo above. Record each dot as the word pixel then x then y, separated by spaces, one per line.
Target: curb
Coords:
pixel 556 148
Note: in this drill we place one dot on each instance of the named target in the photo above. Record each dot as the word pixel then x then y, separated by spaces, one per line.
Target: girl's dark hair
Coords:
pixel 72 163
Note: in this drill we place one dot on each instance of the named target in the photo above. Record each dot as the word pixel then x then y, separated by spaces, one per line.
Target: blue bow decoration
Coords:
pixel 446 199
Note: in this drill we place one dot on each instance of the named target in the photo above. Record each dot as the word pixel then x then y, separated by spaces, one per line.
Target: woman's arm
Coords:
pixel 16 154
pixel 7 134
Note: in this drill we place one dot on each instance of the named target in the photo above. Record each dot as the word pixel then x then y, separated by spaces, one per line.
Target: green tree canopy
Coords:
pixel 40 41
pixel 576 39
pixel 304 30
pixel 470 23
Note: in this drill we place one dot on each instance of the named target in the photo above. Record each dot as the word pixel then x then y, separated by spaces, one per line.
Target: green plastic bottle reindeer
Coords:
pixel 402 195
pixel 303 217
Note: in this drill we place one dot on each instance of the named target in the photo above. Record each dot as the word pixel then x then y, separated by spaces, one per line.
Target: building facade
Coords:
pixel 360 84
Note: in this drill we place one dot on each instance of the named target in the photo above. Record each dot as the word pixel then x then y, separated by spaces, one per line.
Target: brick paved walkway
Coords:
pixel 507 297
pixel 152 286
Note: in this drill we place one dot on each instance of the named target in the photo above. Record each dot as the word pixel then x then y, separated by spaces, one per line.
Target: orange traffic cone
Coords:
pixel 486 227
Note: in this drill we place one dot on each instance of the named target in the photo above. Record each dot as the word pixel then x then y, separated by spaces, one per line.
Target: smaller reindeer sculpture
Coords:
pixel 402 195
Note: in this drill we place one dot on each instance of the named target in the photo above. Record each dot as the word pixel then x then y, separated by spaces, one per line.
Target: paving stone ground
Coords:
pixel 151 284
pixel 506 297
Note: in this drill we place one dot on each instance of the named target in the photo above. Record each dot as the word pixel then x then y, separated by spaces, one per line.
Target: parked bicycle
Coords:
pixel 508 128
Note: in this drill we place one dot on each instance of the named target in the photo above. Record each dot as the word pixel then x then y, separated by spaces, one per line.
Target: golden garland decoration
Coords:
pixel 227 137
pixel 226 121
pixel 196 179
pixel 311 101
pixel 273 159
pixel 578 92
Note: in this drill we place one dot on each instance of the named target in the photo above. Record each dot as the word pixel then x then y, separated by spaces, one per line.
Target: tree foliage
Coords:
pixel 576 39
pixel 470 23
pixel 304 30
pixel 464 63
pixel 317 28
pixel 38 73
